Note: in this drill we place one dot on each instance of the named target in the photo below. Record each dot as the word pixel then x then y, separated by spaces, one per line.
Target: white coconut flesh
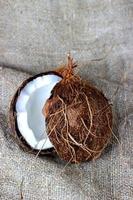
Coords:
pixel 29 105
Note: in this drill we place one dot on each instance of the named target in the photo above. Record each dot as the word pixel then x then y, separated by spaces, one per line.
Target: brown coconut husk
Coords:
pixel 13 120
pixel 78 118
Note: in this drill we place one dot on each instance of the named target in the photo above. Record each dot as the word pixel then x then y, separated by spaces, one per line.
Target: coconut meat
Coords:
pixel 29 105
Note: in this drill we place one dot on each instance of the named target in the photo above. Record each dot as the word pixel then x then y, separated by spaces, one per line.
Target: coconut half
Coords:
pixel 26 119
pixel 78 118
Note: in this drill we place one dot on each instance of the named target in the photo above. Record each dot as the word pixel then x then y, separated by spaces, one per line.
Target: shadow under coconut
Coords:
pixel 53 158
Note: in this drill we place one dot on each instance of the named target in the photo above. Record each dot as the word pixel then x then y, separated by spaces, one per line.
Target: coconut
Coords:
pixel 78 117
pixel 25 113
pixel 60 112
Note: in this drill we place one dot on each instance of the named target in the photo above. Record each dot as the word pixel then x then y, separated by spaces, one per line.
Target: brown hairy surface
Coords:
pixel 78 119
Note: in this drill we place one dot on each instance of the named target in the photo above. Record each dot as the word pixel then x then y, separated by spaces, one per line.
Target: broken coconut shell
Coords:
pixel 78 118
pixel 15 131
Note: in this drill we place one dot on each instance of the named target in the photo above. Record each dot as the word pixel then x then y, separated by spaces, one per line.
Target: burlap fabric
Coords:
pixel 35 37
